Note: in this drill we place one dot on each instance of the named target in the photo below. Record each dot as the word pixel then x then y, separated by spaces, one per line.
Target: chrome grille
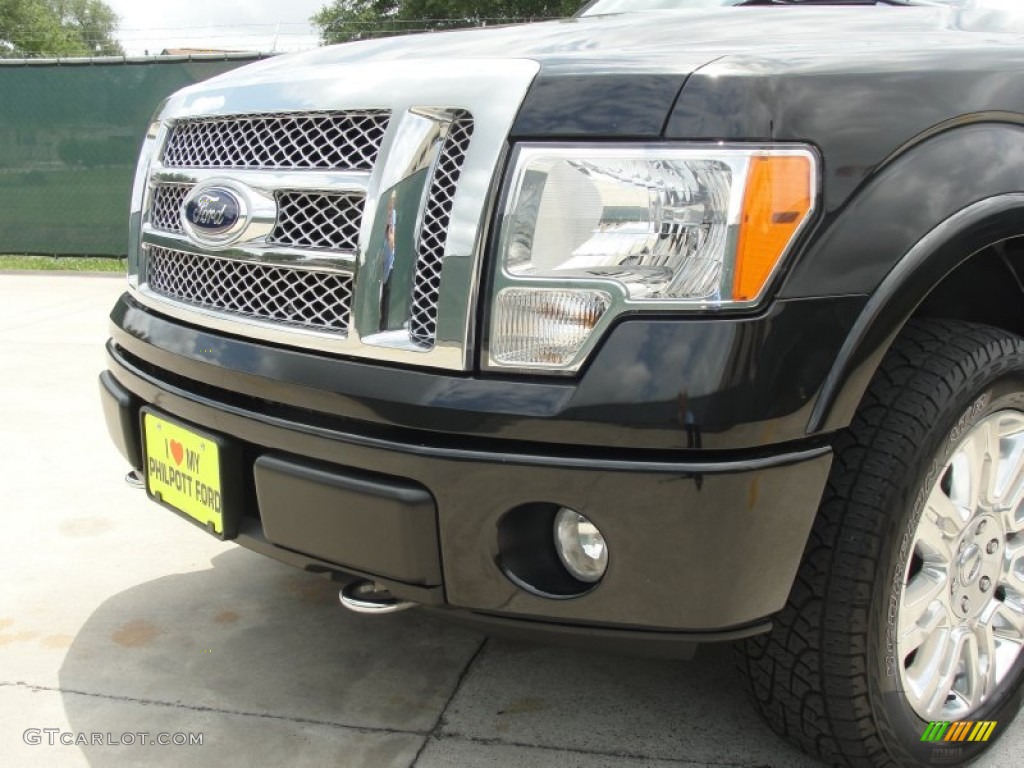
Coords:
pixel 166 205
pixel 434 235
pixel 307 299
pixel 315 220
pixel 311 140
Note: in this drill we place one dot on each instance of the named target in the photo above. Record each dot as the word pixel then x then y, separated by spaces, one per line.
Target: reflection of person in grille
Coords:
pixel 387 258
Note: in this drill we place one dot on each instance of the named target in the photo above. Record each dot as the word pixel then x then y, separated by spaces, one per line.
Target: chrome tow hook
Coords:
pixel 368 598
pixel 135 479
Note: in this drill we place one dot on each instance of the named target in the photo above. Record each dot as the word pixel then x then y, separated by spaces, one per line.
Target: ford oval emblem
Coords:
pixel 213 211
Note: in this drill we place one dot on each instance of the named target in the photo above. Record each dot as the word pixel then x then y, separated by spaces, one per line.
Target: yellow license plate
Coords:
pixel 183 471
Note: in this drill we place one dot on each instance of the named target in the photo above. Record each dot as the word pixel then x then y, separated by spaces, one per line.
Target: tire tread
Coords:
pixel 809 677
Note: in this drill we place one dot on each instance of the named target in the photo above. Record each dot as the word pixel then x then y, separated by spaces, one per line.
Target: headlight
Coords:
pixel 591 232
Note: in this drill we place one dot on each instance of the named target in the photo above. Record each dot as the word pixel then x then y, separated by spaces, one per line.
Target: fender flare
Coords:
pixel 949 245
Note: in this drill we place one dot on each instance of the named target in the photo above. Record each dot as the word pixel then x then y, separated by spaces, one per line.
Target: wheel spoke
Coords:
pixel 1007 621
pixel 1003 623
pixel 979 667
pixel 922 609
pixel 1011 513
pixel 1010 487
pixel 940 524
pixel 946 671
pixel 1013 566
pixel 963 484
pixel 934 670
pixel 974 467
pixel 932 617
pixel 992 454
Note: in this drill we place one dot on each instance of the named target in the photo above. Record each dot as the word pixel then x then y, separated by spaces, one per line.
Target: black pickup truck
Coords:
pixel 679 321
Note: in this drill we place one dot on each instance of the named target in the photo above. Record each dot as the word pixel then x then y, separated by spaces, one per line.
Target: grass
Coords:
pixel 61 264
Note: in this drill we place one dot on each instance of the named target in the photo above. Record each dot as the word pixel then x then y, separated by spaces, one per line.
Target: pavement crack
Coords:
pixel 365 729
pixel 435 732
pixel 617 754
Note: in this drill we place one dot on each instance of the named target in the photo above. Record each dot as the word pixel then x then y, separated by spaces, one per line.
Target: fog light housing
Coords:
pixel 581 546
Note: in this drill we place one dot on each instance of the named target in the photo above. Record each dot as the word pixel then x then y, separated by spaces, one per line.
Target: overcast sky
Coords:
pixel 231 24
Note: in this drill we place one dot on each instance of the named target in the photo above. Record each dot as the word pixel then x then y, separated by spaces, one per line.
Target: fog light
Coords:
pixel 581 547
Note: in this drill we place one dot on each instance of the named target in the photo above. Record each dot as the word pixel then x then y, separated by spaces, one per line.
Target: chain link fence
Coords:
pixel 69 135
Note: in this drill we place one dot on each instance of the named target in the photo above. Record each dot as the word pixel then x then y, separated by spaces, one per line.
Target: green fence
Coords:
pixel 69 135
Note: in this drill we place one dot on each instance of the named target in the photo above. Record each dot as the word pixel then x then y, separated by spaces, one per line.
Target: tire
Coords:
pixel 847 671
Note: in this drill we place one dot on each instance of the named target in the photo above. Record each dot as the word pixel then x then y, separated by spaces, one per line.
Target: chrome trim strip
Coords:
pixel 270 256
pixel 269 181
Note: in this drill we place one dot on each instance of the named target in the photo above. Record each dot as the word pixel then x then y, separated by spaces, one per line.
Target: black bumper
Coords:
pixel 703 545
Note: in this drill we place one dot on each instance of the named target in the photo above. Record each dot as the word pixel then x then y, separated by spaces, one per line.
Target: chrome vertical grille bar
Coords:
pixel 434 234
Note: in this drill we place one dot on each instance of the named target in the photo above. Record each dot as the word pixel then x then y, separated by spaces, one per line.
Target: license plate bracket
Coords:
pixel 194 473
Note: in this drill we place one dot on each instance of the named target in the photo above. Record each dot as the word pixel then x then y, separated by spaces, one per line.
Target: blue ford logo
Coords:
pixel 213 211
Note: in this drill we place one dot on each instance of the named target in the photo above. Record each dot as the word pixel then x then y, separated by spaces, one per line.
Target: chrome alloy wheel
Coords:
pixel 960 625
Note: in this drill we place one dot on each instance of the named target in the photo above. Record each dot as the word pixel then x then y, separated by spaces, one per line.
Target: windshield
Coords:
pixel 625 6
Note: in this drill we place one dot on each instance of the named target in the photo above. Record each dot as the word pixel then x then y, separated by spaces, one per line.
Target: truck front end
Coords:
pixel 383 323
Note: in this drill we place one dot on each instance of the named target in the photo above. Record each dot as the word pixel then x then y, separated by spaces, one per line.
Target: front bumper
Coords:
pixel 701 548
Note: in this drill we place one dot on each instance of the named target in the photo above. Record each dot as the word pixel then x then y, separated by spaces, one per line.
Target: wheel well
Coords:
pixel 987 288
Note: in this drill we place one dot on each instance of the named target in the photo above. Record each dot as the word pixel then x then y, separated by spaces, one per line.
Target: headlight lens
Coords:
pixel 650 226
pixel 637 226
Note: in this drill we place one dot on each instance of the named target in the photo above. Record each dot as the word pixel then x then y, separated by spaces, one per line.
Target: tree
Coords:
pixel 344 20
pixel 95 23
pixel 57 28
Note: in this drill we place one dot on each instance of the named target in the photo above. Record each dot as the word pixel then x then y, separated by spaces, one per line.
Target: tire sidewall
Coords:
pixel 995 387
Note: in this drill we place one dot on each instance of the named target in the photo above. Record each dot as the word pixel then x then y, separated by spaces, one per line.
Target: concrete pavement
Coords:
pixel 117 618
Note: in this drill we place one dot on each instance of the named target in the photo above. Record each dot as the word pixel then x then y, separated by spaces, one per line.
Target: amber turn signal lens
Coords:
pixel 777 200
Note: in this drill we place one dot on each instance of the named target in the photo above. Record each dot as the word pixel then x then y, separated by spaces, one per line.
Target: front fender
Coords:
pixel 913 193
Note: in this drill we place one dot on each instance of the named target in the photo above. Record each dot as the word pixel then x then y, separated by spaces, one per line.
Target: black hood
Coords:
pixel 658 41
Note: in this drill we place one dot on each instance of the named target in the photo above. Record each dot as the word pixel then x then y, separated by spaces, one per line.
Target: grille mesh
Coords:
pixel 165 207
pixel 316 220
pixel 321 140
pixel 434 235
pixel 315 300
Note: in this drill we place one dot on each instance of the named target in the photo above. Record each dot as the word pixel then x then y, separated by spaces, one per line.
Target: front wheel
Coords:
pixel 901 642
